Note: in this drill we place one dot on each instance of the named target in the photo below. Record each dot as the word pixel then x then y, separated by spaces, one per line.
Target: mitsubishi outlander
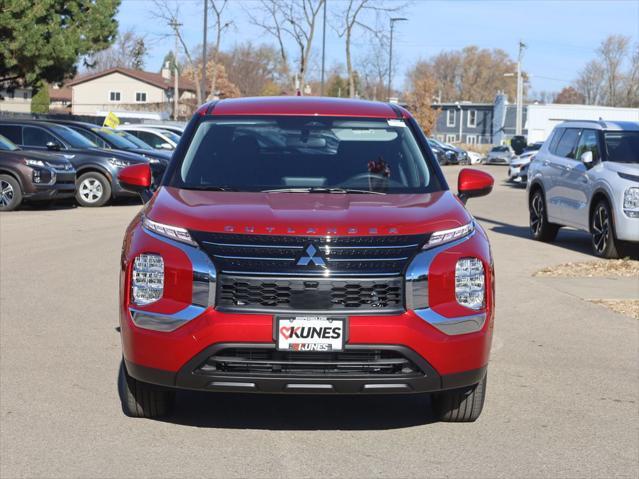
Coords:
pixel 305 245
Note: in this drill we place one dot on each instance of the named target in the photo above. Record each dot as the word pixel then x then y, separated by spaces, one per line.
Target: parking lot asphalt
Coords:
pixel 563 387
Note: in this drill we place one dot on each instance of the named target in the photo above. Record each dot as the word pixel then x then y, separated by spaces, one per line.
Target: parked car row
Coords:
pixel 53 159
pixel 447 154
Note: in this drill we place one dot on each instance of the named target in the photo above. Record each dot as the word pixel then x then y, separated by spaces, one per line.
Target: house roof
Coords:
pixel 63 93
pixel 155 79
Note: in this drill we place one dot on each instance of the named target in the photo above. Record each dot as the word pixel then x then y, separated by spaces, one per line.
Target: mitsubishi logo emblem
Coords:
pixel 311 257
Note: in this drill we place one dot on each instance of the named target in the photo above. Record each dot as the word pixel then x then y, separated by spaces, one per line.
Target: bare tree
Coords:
pixel 590 83
pixel 354 15
pixel 373 67
pixel 256 70
pixel 612 52
pixel 169 13
pixel 295 19
pixel 569 95
pixel 419 97
pixel 218 7
pixel 128 51
pixel 632 80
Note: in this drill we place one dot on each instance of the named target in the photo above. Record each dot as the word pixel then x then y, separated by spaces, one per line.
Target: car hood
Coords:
pixel 628 168
pixel 132 158
pixel 54 159
pixel 520 160
pixel 159 154
pixel 311 214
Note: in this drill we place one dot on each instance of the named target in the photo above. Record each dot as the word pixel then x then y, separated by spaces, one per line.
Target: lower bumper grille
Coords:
pixel 256 361
pixel 261 294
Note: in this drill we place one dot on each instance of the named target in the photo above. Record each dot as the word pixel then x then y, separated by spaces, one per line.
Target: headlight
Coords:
pixel 631 202
pixel 173 232
pixel 444 236
pixel 147 282
pixel 469 283
pixel 30 162
pixel 119 163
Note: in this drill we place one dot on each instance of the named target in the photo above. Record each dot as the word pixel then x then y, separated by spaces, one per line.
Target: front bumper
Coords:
pixel 63 187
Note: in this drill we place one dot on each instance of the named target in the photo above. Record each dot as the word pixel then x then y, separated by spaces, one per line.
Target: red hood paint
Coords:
pixel 312 214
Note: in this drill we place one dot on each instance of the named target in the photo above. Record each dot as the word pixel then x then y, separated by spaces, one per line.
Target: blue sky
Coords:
pixel 562 35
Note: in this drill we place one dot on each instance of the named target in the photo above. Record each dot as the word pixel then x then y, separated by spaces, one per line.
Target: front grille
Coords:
pixel 261 361
pixel 356 295
pixel 289 255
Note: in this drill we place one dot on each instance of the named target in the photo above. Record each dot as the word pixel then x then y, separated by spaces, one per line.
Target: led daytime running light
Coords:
pixel 445 236
pixel 173 232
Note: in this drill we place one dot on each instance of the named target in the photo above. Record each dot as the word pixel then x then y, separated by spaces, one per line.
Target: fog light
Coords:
pixel 147 284
pixel 469 283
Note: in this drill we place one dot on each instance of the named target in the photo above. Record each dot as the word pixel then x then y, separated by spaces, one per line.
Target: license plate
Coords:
pixel 310 333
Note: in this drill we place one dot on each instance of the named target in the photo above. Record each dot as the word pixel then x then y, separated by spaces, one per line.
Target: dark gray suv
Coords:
pixel 96 168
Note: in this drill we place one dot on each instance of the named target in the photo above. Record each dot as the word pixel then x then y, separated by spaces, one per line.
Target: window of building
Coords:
pixel 440 137
pixel 471 139
pixel 25 95
pixel 472 118
pixel 140 97
pixel 114 96
pixel 450 117
pixel 451 138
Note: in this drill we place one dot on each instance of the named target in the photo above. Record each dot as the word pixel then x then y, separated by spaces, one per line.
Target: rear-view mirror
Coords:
pixel 473 183
pixel 137 178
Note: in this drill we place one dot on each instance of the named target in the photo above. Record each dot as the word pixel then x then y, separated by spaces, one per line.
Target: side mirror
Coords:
pixel 586 158
pixel 473 183
pixel 52 145
pixel 137 178
pixel 166 146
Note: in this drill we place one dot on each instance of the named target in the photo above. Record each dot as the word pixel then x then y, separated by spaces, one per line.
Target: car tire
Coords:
pixel 93 189
pixel 604 243
pixel 10 193
pixel 540 228
pixel 460 405
pixel 141 399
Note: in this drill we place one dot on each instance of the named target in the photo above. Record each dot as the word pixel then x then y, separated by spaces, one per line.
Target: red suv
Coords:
pixel 305 245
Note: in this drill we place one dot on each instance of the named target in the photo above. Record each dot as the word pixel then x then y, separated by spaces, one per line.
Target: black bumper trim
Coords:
pixel 430 381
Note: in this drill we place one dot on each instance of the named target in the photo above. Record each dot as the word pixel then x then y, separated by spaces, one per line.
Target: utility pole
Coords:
pixel 390 54
pixel 204 31
pixel 176 92
pixel 520 91
pixel 323 49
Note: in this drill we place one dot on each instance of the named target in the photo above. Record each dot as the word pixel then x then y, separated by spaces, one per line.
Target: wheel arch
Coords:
pixel 14 175
pixel 92 168
pixel 535 186
pixel 600 194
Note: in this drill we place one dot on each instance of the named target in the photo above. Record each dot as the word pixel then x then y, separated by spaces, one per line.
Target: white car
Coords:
pixel 160 139
pixel 177 129
pixel 586 176
pixel 474 158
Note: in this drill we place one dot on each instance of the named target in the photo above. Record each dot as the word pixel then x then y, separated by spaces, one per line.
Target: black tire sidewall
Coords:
pixel 611 250
pixel 106 189
pixel 17 193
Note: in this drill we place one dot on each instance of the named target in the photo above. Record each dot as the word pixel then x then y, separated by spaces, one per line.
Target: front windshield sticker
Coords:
pixel 396 123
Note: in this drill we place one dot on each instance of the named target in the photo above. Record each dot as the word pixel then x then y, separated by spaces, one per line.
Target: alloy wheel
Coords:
pixel 600 229
pixel 91 190
pixel 6 193
pixel 537 214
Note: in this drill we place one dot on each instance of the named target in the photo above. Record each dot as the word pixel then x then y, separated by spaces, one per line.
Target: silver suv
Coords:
pixel 586 175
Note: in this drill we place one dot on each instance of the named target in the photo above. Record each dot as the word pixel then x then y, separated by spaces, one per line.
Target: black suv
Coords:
pixel 96 168
pixel 32 176
pixel 110 139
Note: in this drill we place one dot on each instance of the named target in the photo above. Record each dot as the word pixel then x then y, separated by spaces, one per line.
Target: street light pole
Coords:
pixel 520 91
pixel 390 54
pixel 323 49
pixel 204 40
pixel 176 92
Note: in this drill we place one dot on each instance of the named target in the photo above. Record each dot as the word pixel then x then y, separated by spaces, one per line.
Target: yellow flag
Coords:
pixel 111 120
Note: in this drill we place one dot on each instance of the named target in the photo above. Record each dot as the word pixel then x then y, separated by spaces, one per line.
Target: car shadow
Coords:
pixel 283 412
pixel 68 204
pixel 567 238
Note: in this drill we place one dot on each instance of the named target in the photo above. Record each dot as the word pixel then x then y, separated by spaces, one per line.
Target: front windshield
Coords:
pixel 114 137
pixel 73 138
pixel 6 144
pixel 134 139
pixel 622 146
pixel 171 136
pixel 306 153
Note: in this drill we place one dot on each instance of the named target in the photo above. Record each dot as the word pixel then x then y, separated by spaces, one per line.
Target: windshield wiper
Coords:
pixel 321 189
pixel 210 188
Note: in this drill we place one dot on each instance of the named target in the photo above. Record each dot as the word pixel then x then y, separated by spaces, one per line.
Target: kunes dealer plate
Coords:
pixel 310 333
